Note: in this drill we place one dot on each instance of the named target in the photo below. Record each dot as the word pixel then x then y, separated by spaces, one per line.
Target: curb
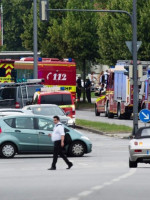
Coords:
pixel 102 133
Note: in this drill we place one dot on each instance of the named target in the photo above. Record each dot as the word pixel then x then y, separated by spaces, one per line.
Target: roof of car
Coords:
pixel 26 115
pixel 41 105
pixel 56 92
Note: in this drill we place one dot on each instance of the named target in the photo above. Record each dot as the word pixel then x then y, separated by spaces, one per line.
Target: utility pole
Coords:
pixel 35 71
pixel 135 78
pixel 1 25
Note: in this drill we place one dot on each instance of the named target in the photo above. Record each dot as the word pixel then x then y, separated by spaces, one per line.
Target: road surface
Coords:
pixel 102 174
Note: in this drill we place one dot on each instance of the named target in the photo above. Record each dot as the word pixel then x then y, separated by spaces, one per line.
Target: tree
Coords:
pixel 13 28
pixel 80 33
pixel 46 44
pixel 115 29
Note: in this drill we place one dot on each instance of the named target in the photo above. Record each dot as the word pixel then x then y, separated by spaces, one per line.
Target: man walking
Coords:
pixel 58 136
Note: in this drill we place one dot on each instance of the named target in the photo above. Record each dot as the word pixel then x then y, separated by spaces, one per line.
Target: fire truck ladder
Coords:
pixel 24 95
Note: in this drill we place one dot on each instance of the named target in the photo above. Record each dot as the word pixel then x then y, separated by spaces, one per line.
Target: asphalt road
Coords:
pixel 102 174
pixel 90 115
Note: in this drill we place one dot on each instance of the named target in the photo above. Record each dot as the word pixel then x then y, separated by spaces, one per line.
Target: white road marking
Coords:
pixel 99 187
pixel 85 193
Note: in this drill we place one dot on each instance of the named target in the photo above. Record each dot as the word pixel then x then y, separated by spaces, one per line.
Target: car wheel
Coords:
pixel 8 150
pixel 96 111
pixel 132 164
pixel 77 149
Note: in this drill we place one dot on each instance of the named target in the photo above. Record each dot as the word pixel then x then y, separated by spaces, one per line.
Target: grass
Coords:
pixel 84 105
pixel 104 127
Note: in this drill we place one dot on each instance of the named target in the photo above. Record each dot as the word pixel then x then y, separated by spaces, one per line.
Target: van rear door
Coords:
pixel 7 97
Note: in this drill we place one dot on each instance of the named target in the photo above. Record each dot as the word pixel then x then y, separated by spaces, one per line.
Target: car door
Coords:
pixel 44 129
pixel 26 134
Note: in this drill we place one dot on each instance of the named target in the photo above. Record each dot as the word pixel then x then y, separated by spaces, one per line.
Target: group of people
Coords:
pixel 87 88
pixel 102 82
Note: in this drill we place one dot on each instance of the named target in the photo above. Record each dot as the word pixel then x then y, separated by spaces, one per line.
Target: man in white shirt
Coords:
pixel 58 136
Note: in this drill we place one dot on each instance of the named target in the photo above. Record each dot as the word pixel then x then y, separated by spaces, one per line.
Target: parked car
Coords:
pixel 22 134
pixel 139 147
pixel 63 99
pixel 50 110
pixel 12 111
pixel 17 95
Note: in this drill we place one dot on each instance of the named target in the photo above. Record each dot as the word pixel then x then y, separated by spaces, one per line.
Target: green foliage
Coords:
pixel 114 30
pixel 104 127
pixel 80 31
pixel 13 11
pixel 83 36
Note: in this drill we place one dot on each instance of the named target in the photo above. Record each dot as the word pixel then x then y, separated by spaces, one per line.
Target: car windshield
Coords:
pixel 145 132
pixel 58 99
pixel 53 110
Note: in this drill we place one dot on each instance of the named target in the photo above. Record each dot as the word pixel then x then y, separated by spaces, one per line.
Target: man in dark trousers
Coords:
pixel 88 89
pixel 79 87
pixel 58 136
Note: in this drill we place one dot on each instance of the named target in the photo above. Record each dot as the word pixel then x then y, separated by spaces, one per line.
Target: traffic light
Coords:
pixel 44 10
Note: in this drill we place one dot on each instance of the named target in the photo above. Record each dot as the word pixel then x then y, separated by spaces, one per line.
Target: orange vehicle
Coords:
pixel 63 99
pixel 118 96
pixel 55 72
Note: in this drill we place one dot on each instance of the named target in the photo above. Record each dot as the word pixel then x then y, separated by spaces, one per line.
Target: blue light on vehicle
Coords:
pixel 38 89
pixel 69 59
pixel 62 88
pixel 148 72
pixel 112 66
pixel 39 59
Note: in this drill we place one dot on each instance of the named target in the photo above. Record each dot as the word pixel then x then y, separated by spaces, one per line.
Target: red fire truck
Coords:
pixel 145 90
pixel 55 72
pixel 118 97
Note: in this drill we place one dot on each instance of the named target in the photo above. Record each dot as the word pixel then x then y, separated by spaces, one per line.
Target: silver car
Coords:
pixel 50 110
pixel 12 111
pixel 139 147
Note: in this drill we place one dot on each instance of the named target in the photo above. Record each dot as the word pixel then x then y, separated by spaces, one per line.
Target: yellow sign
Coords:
pixel 65 87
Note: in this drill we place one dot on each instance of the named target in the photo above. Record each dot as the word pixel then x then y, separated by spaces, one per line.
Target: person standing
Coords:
pixel 88 89
pixel 58 136
pixel 79 87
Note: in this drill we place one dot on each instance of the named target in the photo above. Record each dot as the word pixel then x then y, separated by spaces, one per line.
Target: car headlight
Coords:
pixel 84 137
pixel 70 121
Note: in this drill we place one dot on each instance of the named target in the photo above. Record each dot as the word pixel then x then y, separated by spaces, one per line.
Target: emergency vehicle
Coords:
pixel 6 70
pixel 145 89
pixel 54 95
pixel 118 97
pixel 55 72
